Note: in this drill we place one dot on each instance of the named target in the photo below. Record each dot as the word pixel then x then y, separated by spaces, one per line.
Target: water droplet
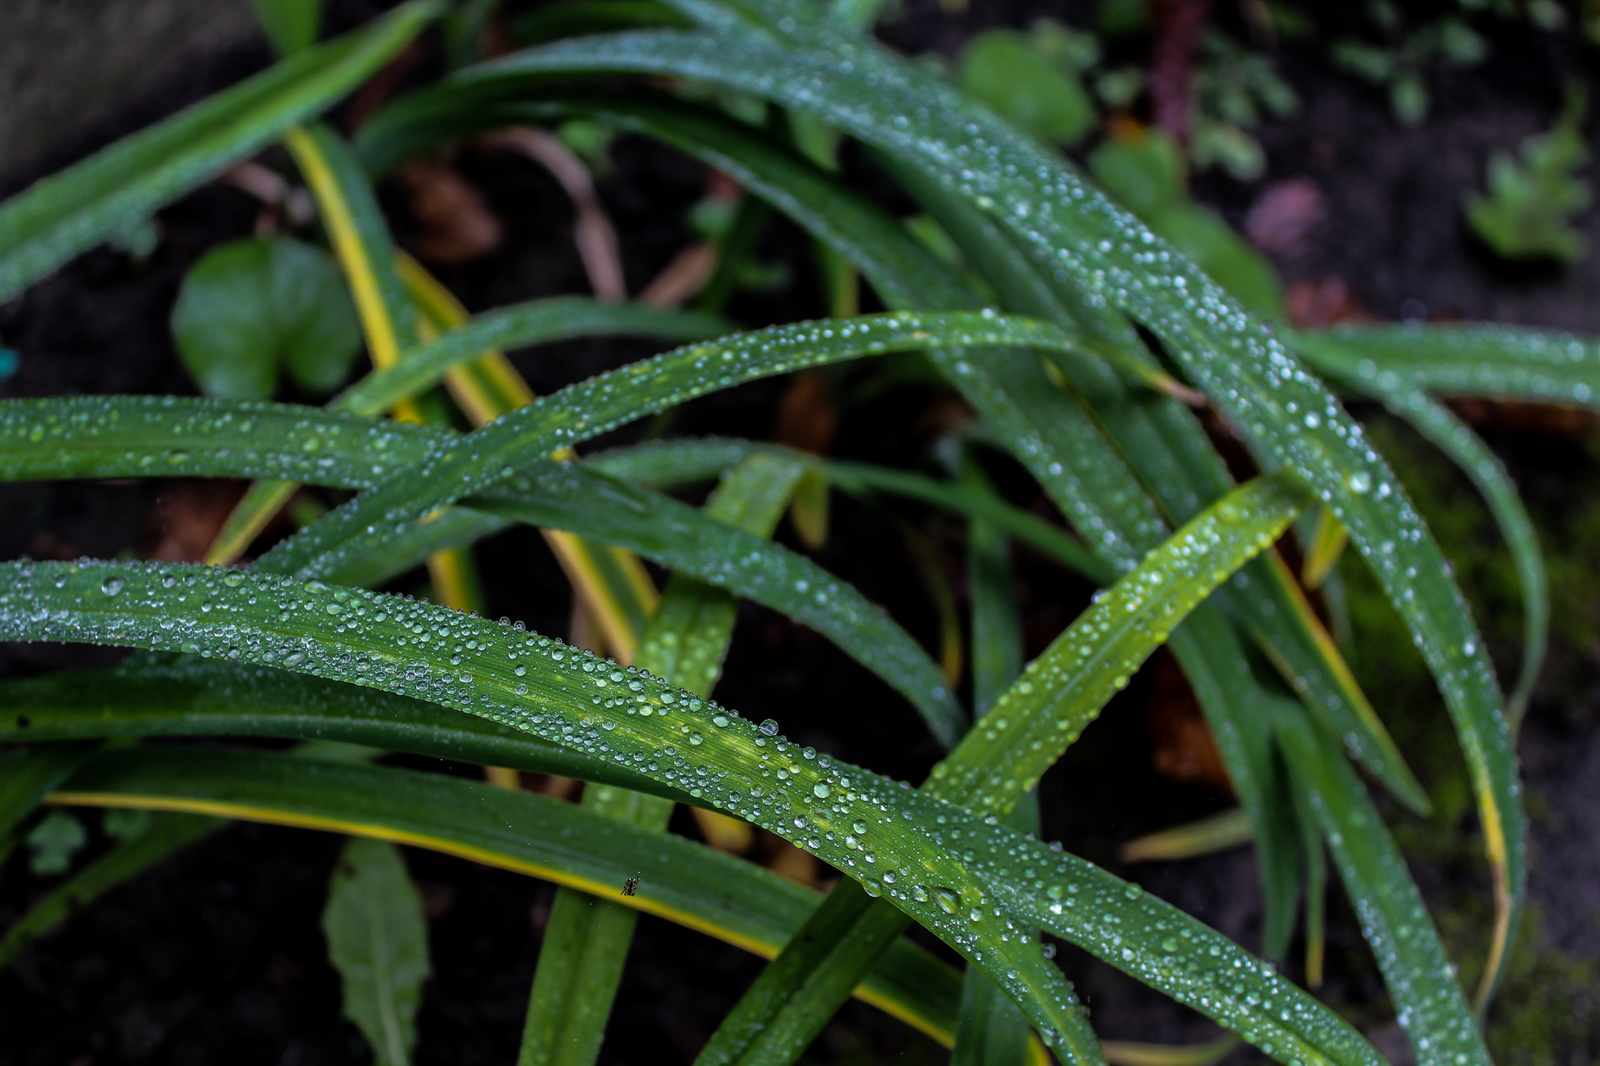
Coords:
pixel 111 586
pixel 769 727
pixel 820 790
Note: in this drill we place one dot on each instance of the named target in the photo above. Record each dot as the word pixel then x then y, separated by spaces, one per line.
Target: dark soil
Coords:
pixel 217 955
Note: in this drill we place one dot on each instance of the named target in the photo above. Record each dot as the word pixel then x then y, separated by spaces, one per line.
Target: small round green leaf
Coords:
pixel 252 306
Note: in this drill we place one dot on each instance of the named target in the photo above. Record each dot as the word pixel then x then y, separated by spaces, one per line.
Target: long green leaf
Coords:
pixel 63 215
pixel 1002 757
pixel 592 407
pixel 1283 411
pixel 994 1032
pixel 1507 362
pixel 588 937
pixel 978 904
pixel 683 882
pixel 1432 1008
pixel 378 942
pixel 535 322
pixel 198 698
pixel 27 775
pixel 135 437
pixel 665 463
pixel 1400 394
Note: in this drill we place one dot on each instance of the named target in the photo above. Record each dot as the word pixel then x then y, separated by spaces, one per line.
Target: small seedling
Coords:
pixel 1532 200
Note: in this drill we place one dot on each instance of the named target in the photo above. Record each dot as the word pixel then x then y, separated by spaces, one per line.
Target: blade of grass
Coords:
pixel 196 698
pixel 138 436
pixel 587 939
pixel 993 1030
pixel 1468 452
pixel 1002 758
pixel 63 215
pixel 1432 1007
pixel 612 585
pixel 1218 832
pixel 686 883
pixel 274 620
pixel 1507 362
pixel 360 238
pixel 31 773
pixel 596 405
pixel 1284 412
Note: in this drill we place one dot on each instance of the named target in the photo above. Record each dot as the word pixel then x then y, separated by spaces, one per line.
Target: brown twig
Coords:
pixel 1179 26
pixel 594 235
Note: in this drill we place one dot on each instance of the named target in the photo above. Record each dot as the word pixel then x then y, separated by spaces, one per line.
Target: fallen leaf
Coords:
pixel 456 226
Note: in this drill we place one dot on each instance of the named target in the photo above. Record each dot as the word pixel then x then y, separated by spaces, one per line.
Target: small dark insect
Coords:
pixel 631 886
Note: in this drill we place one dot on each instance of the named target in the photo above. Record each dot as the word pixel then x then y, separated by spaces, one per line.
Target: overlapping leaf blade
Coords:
pixel 1468 360
pixel 694 886
pixel 119 437
pixel 312 628
pixel 1284 412
pixel 63 215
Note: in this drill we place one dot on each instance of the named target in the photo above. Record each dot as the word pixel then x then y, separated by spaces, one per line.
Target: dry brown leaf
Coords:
pixel 456 226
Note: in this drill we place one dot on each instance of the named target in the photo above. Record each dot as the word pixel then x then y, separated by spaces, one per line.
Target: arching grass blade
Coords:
pixel 1282 410
pixel 278 621
pixel 694 886
pixel 1504 362
pixel 1419 976
pixel 198 698
pixel 587 938
pixel 61 216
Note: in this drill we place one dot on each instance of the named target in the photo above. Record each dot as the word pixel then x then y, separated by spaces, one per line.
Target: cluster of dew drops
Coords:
pixel 459 660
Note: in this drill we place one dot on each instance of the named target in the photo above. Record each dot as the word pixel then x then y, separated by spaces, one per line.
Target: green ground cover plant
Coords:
pixel 1093 353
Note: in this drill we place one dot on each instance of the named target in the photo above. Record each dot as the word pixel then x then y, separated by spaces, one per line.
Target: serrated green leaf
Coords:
pixel 378 942
pixel 251 307
pixel 310 627
pixel 66 214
